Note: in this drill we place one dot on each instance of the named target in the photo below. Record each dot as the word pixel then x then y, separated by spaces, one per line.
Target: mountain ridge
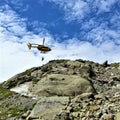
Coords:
pixel 65 90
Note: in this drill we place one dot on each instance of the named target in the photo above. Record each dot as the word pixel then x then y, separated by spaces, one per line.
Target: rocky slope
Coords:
pixel 63 90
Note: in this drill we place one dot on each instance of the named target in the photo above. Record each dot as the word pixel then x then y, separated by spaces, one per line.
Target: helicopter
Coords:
pixel 42 48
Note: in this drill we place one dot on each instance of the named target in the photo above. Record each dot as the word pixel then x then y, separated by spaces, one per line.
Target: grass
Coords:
pixel 10 112
pixel 5 108
pixel 5 93
pixel 8 109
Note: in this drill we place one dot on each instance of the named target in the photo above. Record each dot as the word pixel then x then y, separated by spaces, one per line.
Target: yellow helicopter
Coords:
pixel 42 48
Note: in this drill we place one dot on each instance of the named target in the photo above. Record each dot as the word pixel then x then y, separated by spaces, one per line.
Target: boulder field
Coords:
pixel 63 90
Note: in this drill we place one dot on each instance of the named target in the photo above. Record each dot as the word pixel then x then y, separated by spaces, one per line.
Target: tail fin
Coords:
pixel 29 46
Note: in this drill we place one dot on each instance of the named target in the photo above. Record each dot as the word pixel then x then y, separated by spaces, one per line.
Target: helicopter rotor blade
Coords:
pixel 34 44
pixel 43 40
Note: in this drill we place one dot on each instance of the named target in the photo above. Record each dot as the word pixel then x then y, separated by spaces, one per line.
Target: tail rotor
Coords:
pixel 29 46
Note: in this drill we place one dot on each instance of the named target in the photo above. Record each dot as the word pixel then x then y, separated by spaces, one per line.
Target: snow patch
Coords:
pixel 23 89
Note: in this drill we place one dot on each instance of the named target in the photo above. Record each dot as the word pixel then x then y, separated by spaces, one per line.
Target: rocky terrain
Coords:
pixel 63 90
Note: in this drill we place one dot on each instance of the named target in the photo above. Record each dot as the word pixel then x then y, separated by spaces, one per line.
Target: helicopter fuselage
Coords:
pixel 43 48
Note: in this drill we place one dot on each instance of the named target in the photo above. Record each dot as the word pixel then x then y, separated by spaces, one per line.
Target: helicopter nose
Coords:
pixel 50 49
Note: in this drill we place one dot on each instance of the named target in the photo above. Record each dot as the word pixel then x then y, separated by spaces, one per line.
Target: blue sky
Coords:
pixel 79 29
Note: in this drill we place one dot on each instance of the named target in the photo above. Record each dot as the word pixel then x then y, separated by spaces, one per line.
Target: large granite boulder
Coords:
pixel 47 107
pixel 62 85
